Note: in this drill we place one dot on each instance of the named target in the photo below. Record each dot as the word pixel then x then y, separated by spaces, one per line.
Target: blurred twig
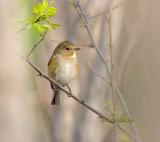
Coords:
pixel 96 72
pixel 112 71
pixel 106 11
pixel 133 128
pixel 36 45
pixel 127 132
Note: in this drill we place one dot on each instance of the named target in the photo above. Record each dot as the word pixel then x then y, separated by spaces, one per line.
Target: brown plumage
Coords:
pixel 62 67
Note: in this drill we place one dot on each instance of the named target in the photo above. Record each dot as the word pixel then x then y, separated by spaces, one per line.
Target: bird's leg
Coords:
pixel 54 88
pixel 69 90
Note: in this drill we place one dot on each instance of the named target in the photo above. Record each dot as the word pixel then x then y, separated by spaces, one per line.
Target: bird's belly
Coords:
pixel 65 73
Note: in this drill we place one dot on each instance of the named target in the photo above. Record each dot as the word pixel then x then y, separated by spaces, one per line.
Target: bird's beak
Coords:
pixel 76 49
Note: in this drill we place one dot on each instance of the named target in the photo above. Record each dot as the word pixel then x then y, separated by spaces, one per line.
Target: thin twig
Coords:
pixel 69 88
pixel 77 44
pixel 21 30
pixel 45 37
pixel 36 45
pixel 127 132
pixel 123 102
pixel 96 72
pixel 84 20
pixel 112 71
pixel 106 11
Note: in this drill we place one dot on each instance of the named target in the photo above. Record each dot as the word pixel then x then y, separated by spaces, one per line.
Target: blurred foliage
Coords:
pixel 109 107
pixel 123 137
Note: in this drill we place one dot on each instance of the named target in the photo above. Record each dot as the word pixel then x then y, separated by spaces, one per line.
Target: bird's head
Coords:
pixel 66 49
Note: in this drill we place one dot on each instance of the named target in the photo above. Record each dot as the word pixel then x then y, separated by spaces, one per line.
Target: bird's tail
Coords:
pixel 56 96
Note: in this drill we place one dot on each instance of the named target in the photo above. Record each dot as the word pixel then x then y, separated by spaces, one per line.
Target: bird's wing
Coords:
pixel 52 66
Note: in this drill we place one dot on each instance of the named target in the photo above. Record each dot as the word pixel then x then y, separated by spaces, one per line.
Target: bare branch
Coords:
pixel 86 25
pixel 84 20
pixel 100 115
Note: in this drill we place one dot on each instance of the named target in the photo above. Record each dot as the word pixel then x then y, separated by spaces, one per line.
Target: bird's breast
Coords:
pixel 66 71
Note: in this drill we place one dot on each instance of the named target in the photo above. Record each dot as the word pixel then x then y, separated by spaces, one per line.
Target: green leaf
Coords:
pixel 55 26
pixel 51 2
pixel 38 10
pixel 31 20
pixel 47 27
pixel 51 11
pixel 123 137
pixel 38 28
pixel 43 18
pixel 45 3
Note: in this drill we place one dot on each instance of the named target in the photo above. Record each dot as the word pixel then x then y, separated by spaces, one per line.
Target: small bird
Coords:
pixel 62 67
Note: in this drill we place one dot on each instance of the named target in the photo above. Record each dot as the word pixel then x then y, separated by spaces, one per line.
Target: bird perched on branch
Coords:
pixel 62 67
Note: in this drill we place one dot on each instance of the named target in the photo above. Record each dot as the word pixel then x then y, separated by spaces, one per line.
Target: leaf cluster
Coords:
pixel 41 14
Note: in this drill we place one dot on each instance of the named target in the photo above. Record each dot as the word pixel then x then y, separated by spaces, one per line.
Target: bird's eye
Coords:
pixel 67 49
